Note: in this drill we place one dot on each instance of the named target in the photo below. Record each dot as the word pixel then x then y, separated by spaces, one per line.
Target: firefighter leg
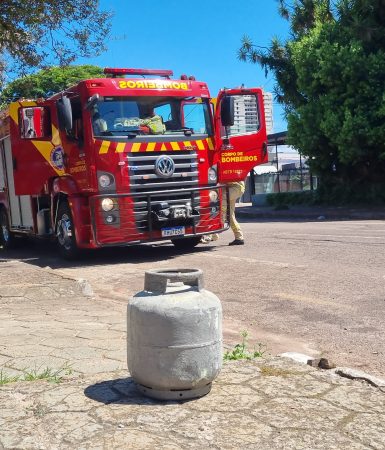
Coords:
pixel 234 193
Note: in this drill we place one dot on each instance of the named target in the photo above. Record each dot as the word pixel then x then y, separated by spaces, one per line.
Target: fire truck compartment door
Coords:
pixel 20 205
pixel 242 145
pixel 2 168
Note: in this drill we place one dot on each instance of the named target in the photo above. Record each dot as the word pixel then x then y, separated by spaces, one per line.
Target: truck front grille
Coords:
pixel 144 179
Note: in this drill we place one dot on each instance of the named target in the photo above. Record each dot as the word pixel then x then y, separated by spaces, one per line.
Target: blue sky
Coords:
pixel 199 38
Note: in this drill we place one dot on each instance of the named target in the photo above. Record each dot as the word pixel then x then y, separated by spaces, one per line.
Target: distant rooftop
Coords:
pixel 277 138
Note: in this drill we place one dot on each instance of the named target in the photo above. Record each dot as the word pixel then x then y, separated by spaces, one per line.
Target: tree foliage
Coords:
pixel 330 79
pixel 38 33
pixel 47 82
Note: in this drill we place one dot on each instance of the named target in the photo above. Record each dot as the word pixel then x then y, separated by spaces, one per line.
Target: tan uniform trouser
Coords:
pixel 235 191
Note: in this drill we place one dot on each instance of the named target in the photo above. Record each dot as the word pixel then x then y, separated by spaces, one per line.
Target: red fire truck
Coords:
pixel 134 157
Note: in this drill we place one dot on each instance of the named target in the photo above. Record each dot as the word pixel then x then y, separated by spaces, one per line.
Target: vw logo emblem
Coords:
pixel 164 166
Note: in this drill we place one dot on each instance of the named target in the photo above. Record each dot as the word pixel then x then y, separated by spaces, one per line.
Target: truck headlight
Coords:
pixel 212 175
pixel 213 195
pixel 107 204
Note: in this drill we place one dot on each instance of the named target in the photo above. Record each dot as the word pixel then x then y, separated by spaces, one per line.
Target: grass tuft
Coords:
pixel 5 379
pixel 241 351
pixel 50 375
pixel 277 372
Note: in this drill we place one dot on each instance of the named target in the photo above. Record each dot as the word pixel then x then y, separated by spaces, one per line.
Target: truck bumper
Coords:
pixel 153 219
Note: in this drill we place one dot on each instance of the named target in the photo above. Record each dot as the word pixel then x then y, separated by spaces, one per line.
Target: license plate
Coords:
pixel 173 231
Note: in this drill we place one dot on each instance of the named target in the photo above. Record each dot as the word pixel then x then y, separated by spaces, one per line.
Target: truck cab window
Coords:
pixel 135 117
pixel 246 115
pixel 196 117
pixel 164 111
pixel 35 123
pixel 76 132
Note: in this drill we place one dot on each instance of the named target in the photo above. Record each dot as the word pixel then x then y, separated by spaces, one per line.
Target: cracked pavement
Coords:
pixel 267 403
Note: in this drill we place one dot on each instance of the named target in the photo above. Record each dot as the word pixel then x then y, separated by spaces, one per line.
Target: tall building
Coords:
pixel 245 117
pixel 268 102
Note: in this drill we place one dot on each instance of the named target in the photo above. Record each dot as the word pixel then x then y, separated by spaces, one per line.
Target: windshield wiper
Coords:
pixel 131 133
pixel 111 132
pixel 186 131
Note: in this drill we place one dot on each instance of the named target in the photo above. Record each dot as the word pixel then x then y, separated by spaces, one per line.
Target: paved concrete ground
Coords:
pixel 272 403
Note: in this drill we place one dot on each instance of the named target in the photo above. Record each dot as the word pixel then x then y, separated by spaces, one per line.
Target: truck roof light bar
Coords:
pixel 158 72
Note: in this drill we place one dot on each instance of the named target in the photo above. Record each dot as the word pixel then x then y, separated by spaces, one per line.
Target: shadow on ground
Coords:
pixel 120 391
pixel 44 253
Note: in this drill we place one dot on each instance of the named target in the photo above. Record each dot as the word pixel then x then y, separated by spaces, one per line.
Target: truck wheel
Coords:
pixel 6 237
pixel 65 232
pixel 186 243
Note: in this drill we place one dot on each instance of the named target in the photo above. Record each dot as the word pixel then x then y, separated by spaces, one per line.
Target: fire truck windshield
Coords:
pixel 136 117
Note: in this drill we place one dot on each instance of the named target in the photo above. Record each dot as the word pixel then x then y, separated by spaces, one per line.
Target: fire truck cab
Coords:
pixel 133 157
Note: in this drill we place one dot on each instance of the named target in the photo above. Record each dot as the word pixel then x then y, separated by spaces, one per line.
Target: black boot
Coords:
pixel 237 242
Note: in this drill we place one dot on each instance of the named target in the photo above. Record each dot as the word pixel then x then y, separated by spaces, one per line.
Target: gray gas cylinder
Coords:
pixel 174 335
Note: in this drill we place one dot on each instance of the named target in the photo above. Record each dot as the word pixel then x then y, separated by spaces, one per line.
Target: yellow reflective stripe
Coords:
pixel 200 145
pixel 55 136
pixel 210 143
pixel 135 147
pixel 163 147
pixel 150 147
pixel 120 147
pixel 175 145
pixel 187 143
pixel 13 108
pixel 27 103
pixel 104 147
pixel 45 148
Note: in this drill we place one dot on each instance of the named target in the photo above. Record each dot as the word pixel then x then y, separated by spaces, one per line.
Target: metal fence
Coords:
pixel 286 171
pixel 284 180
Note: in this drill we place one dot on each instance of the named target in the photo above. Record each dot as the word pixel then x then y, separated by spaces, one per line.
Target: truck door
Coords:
pixel 37 153
pixel 74 146
pixel 243 144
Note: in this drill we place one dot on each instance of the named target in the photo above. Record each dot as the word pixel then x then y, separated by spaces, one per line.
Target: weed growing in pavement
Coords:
pixel 5 379
pixel 241 351
pixel 277 372
pixel 50 375
pixel 53 376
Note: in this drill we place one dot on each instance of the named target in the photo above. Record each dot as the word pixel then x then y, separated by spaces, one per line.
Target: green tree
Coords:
pixel 38 33
pixel 330 79
pixel 47 82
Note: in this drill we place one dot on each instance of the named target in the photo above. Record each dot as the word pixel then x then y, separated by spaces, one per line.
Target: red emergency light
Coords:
pixel 156 72
pixel 185 77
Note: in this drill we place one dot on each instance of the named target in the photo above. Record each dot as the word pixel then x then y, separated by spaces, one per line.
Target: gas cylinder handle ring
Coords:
pixel 156 280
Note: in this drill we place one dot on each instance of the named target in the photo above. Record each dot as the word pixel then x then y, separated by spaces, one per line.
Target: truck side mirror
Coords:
pixel 64 113
pixel 92 101
pixel 227 111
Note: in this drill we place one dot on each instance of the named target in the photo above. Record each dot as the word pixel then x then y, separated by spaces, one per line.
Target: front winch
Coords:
pixel 182 214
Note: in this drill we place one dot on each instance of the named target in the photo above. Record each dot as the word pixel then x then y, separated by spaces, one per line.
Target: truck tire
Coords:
pixel 186 243
pixel 6 237
pixel 65 232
